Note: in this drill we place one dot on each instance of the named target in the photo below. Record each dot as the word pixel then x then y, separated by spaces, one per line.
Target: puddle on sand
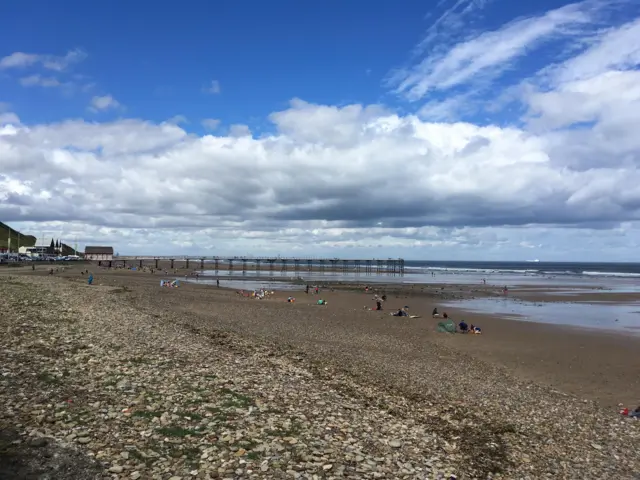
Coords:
pixel 604 316
pixel 248 284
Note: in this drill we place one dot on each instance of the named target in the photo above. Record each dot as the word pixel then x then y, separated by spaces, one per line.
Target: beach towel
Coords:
pixel 447 327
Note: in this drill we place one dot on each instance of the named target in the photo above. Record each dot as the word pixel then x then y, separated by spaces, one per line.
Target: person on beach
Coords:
pixel 400 313
pixel 435 313
pixel 464 328
pixel 218 283
pixel 505 290
pixel 378 305
pixel 317 290
pixel 445 316
pixel 475 329
pixel 306 290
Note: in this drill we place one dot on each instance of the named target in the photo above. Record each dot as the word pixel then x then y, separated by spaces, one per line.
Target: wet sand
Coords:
pixel 592 365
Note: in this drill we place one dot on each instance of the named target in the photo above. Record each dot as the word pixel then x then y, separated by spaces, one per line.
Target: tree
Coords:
pixel 52 247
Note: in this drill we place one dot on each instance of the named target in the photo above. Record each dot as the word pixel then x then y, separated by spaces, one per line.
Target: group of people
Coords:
pixel 463 327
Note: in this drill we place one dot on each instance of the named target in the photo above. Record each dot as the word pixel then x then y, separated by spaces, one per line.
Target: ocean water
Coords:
pixel 532 268
pixel 620 277
pixel 602 316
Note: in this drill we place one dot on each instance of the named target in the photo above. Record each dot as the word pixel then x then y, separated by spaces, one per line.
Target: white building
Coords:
pixel 34 251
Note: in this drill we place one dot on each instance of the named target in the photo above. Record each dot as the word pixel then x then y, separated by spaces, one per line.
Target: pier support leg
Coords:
pixel 216 264
pixel 309 265
pixel 172 263
pixel 230 264
pixel 157 263
pixel 140 264
pixel 202 264
pixel 187 263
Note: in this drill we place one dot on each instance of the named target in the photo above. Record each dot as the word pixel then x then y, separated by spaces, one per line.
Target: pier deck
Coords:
pixel 394 266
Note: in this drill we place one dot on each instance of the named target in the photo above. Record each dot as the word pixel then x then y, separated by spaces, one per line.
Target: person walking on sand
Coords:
pixel 505 290
pixel 317 290
pixel 306 290
pixel 218 282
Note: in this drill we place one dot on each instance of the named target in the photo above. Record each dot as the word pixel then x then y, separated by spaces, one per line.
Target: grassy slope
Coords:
pixel 25 240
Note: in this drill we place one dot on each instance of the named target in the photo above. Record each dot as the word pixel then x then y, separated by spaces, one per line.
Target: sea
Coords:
pixel 467 272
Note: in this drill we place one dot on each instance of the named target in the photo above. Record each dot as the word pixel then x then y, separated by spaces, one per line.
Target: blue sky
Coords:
pixel 156 58
pixel 508 126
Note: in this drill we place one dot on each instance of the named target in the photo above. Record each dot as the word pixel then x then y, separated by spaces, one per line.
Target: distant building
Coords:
pixel 34 251
pixel 98 253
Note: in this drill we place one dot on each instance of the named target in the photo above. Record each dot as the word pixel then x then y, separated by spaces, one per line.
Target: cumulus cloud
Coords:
pixel 341 176
pixel 102 103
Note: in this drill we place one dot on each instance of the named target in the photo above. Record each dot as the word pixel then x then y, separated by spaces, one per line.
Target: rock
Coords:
pixel 395 443
pixel 116 469
pixel 83 440
pixel 38 442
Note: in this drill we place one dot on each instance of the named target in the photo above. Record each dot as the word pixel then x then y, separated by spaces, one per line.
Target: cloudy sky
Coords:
pixel 457 129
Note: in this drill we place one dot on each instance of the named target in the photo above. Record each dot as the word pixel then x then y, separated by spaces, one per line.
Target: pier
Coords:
pixel 390 266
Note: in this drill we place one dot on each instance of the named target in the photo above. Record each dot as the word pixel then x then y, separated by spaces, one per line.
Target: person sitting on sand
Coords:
pixel 464 328
pixel 445 316
pixel 378 305
pixel 475 329
pixel 435 313
pixel 400 313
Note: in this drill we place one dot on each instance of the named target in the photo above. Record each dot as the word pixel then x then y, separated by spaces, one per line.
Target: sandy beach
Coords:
pixel 528 388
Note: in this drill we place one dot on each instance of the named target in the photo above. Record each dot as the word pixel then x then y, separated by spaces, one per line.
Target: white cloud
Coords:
pixel 178 119
pixel 490 53
pixel 353 177
pixel 39 81
pixel 19 60
pixel 102 103
pixel 210 123
pixel 9 118
pixel 239 130
pixel 213 87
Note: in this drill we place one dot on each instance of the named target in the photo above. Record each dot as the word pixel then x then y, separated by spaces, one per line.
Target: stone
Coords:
pixel 116 469
pixel 38 442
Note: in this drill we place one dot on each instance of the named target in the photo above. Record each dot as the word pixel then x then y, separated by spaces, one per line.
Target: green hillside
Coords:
pixel 17 238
